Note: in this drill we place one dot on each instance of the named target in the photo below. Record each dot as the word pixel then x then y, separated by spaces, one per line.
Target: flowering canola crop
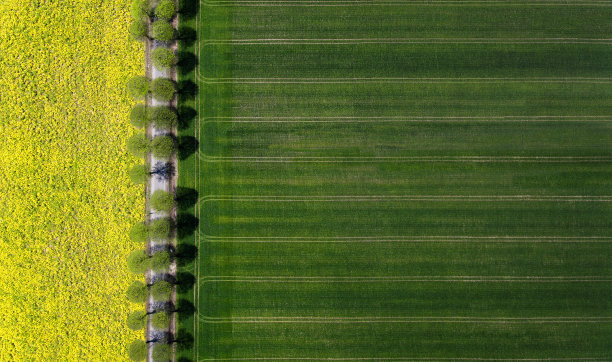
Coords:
pixel 66 201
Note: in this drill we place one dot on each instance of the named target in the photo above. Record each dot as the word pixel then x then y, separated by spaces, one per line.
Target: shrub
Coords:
pixel 162 200
pixel 137 350
pixel 138 145
pixel 139 173
pixel 138 87
pixel 139 30
pixel 138 262
pixel 139 232
pixel 137 292
pixel 161 291
pixel 160 261
pixel 161 352
pixel 165 9
pixel 159 228
pixel 163 117
pixel 163 58
pixel 137 320
pixel 163 89
pixel 161 320
pixel 139 116
pixel 162 30
pixel 163 146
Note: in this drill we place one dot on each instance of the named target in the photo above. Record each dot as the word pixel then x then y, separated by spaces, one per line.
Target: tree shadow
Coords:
pixel 185 254
pixel 184 282
pixel 187 146
pixel 186 224
pixel 187 62
pixel 187 36
pixel 184 340
pixel 186 115
pixel 187 88
pixel 188 8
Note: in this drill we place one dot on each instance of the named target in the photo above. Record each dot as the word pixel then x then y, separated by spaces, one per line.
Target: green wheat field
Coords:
pixel 400 180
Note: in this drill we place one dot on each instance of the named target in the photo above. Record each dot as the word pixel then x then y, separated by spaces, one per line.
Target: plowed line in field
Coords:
pixel 398 359
pixel 327 320
pixel 400 119
pixel 357 80
pixel 308 3
pixel 408 239
pixel 405 279
pixel 315 41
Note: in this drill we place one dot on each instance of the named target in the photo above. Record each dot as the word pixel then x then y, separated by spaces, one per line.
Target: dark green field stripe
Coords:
pixel 389 178
pixel 405 99
pixel 412 20
pixel 392 139
pixel 408 340
pixel 384 217
pixel 278 298
pixel 376 257
pixel 408 60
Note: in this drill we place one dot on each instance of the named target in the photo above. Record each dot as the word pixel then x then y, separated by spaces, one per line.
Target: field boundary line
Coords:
pixel 362 80
pixel 370 320
pixel 408 239
pixel 319 41
pixel 391 198
pixel 399 359
pixel 400 119
pixel 373 159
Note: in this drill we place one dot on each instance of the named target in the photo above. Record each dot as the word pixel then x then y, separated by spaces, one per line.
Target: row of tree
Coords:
pixel 153 23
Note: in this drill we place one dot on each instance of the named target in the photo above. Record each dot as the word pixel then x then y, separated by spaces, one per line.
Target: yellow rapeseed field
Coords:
pixel 66 200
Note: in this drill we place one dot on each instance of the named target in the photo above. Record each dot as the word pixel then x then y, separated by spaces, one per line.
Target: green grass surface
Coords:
pixel 399 182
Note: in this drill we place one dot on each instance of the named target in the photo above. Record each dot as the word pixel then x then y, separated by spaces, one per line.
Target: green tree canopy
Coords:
pixel 137 350
pixel 139 174
pixel 137 292
pixel 160 228
pixel 163 89
pixel 161 352
pixel 162 200
pixel 161 320
pixel 165 9
pixel 160 261
pixel 139 116
pixel 163 58
pixel 138 145
pixel 138 87
pixel 163 117
pixel 162 30
pixel 138 262
pixel 140 9
pixel 138 30
pixel 161 291
pixel 163 146
pixel 139 232
pixel 137 320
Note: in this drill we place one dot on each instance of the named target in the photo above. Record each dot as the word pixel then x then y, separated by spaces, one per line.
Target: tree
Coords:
pixel 162 200
pixel 163 146
pixel 163 58
pixel 163 117
pixel 161 320
pixel 162 30
pixel 160 261
pixel 138 145
pixel 139 30
pixel 161 291
pixel 163 89
pixel 163 170
pixel 139 173
pixel 138 87
pixel 139 116
pixel 165 9
pixel 138 262
pixel 137 320
pixel 139 232
pixel 159 228
pixel 137 350
pixel 162 352
pixel 140 9
pixel 137 292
